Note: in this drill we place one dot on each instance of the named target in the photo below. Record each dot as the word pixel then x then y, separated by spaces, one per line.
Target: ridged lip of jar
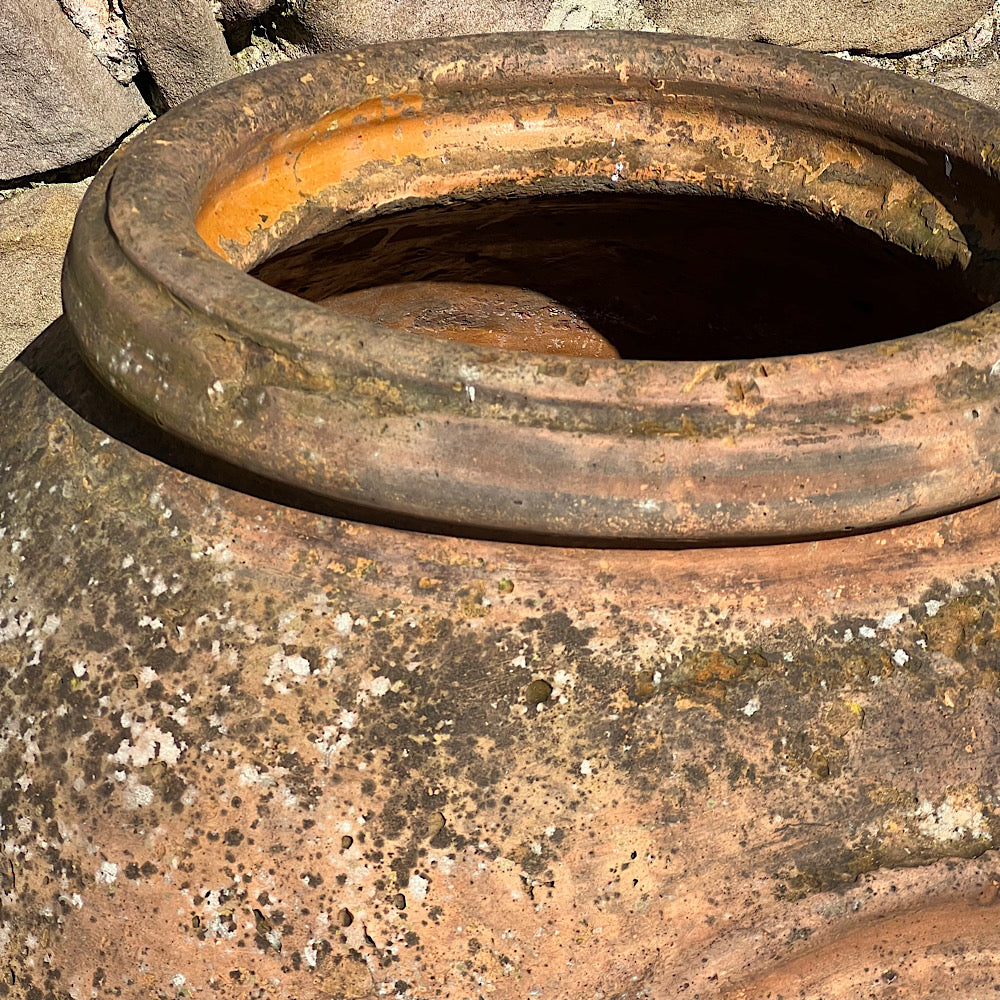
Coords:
pixel 521 445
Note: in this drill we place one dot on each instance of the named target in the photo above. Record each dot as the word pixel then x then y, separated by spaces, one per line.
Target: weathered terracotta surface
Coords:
pixel 841 441
pixel 251 748
pixel 279 754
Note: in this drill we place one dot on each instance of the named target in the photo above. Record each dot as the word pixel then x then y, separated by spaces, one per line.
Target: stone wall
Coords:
pixel 78 77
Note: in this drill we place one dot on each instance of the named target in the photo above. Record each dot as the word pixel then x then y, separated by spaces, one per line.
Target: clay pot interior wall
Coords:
pixel 818 233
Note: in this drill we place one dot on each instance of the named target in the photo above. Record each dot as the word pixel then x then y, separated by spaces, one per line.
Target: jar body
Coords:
pixel 252 748
pixel 695 687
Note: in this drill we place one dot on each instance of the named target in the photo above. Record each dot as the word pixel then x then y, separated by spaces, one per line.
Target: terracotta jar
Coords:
pixel 342 660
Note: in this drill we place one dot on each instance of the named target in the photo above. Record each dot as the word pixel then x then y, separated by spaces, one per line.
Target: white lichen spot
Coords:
pixel 251 775
pixel 107 873
pixel 866 632
pixel 135 796
pixel 380 686
pixel 331 743
pixel 933 607
pixel 148 743
pixel 79 668
pixel 586 768
pixel 900 658
pixel 342 623
pixel 848 635
pixel 283 666
pixel 892 619
pixel 752 707
pixel 562 683
pixel 16 628
pixel 417 887
pixel 221 926
pixel 309 954
pixel 299 666
pixel 951 820
pixel 218 553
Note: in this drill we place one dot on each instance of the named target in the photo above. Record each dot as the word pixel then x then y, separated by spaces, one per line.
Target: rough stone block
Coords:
pixel 874 26
pixel 59 105
pixel 104 26
pixel 181 44
pixel 981 83
pixel 241 11
pixel 34 229
pixel 334 24
pixel 879 26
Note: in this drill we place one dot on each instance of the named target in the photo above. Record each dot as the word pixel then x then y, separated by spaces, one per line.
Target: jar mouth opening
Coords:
pixel 795 259
pixel 579 195
pixel 661 277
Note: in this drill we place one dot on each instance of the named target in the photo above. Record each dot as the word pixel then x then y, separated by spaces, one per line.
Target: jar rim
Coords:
pixel 514 444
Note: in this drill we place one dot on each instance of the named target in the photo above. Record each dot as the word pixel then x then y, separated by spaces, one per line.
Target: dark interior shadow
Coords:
pixel 663 277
